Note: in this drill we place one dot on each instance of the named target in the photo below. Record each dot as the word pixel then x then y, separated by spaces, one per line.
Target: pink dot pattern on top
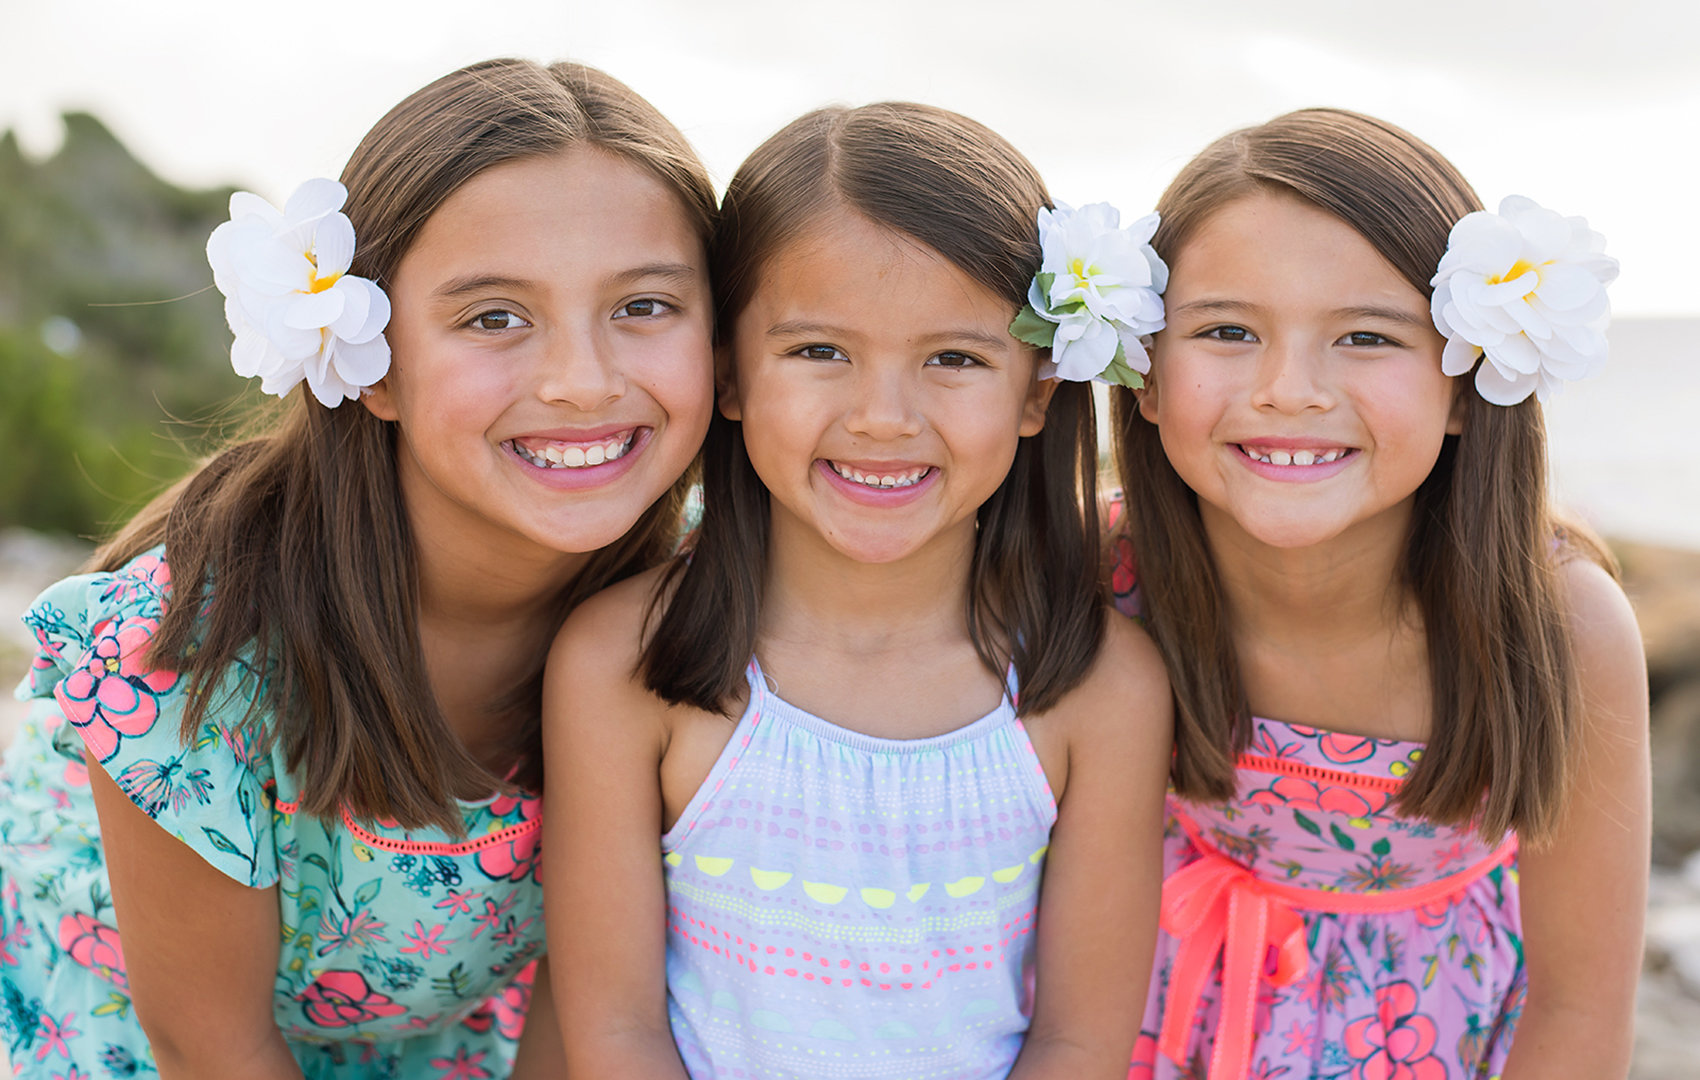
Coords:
pixel 850 906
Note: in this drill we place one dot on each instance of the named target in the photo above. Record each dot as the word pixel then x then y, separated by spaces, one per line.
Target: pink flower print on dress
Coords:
pixel 463 1066
pixel 1346 749
pixel 1397 1043
pixel 343 999
pixel 427 943
pixel 506 1010
pixel 148 572
pixel 53 1035
pixel 360 930
pixel 1300 794
pixel 519 856
pixel 115 694
pixel 95 946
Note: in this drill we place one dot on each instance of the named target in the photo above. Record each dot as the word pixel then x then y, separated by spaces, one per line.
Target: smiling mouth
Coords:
pixel 1293 457
pixel 879 480
pixel 553 454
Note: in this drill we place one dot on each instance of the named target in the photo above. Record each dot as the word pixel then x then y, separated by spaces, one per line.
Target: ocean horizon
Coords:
pixel 1620 458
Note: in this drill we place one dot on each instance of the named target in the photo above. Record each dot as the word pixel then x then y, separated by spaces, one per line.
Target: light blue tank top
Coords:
pixel 844 906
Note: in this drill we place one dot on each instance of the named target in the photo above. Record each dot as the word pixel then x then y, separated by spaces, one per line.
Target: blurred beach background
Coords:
pixel 126 126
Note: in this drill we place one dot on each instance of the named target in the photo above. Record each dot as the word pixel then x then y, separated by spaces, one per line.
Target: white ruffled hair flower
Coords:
pixel 1526 287
pixel 1097 296
pixel 296 311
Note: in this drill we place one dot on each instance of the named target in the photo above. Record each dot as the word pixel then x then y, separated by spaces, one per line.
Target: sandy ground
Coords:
pixel 1667 1034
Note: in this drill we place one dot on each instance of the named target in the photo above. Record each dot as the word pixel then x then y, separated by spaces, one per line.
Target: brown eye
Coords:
pixel 954 360
pixel 821 352
pixel 642 308
pixel 1366 339
pixel 1230 333
pixel 497 320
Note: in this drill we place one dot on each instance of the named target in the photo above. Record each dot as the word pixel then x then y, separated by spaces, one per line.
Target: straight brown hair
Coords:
pixel 290 553
pixel 1034 597
pixel 1484 547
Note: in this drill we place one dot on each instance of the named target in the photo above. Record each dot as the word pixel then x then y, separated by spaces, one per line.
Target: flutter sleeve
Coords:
pixel 119 712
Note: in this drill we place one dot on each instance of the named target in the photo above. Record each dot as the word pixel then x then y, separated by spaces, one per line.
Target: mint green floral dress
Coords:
pixel 403 954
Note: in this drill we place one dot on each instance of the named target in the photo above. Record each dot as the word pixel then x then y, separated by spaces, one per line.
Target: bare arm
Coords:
pixel 605 898
pixel 540 1055
pixel 1104 870
pixel 174 911
pixel 1584 898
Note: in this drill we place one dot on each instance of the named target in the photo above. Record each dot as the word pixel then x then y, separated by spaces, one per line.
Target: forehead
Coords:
pixel 1279 244
pixel 574 207
pixel 843 261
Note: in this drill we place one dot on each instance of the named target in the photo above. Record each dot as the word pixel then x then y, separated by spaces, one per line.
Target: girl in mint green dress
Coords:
pixel 275 811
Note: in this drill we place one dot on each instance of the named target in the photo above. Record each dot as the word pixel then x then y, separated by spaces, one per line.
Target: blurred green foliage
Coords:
pixel 114 355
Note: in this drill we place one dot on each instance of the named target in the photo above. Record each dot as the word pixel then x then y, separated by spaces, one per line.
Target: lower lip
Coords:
pixel 587 476
pixel 1294 474
pixel 873 496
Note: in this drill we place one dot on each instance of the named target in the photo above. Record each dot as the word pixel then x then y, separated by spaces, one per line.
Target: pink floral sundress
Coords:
pixel 1310 932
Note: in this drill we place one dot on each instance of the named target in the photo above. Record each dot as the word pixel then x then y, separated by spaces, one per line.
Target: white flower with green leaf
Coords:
pixel 296 311
pixel 1098 294
pixel 1525 287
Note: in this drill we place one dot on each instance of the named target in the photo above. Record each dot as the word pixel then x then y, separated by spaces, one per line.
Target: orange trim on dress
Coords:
pixel 1338 777
pixel 423 847
pixel 1216 906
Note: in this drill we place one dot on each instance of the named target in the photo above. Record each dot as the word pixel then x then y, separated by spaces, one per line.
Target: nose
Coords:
pixel 885 406
pixel 577 367
pixel 1292 378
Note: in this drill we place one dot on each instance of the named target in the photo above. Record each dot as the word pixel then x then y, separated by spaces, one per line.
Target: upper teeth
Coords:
pixel 555 456
pixel 1296 457
pixel 883 480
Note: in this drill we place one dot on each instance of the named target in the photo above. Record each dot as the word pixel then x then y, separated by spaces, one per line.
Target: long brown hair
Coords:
pixel 290 552
pixel 1034 598
pixel 1483 550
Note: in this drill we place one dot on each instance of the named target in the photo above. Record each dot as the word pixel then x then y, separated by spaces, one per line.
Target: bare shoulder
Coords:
pixel 1609 654
pixel 593 664
pixel 1125 694
pixel 610 626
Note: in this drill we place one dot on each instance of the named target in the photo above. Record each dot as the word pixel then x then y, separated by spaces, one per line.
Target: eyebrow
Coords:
pixel 672 273
pixel 1240 307
pixel 1213 307
pixel 472 283
pixel 675 273
pixel 965 335
pixel 1387 314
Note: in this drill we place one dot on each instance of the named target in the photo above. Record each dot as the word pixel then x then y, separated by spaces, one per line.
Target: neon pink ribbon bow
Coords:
pixel 1213 906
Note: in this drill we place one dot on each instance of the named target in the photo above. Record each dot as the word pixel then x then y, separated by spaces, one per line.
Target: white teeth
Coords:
pixel 576 457
pixel 1296 457
pixel 876 480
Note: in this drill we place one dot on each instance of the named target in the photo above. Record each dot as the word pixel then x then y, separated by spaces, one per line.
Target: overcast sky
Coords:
pixel 1589 108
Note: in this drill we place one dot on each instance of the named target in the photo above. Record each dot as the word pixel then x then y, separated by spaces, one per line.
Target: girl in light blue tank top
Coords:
pixel 808 788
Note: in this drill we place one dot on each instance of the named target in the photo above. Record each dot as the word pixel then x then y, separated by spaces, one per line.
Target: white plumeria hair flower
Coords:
pixel 1097 297
pixel 296 311
pixel 1526 288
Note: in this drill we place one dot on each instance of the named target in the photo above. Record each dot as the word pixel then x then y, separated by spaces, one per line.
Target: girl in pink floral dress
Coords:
pixel 1408 831
pixel 276 812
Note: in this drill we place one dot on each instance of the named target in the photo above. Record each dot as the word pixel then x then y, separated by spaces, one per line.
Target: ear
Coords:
pixel 1455 417
pixel 726 384
pixel 1146 397
pixel 1033 409
pixel 379 401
